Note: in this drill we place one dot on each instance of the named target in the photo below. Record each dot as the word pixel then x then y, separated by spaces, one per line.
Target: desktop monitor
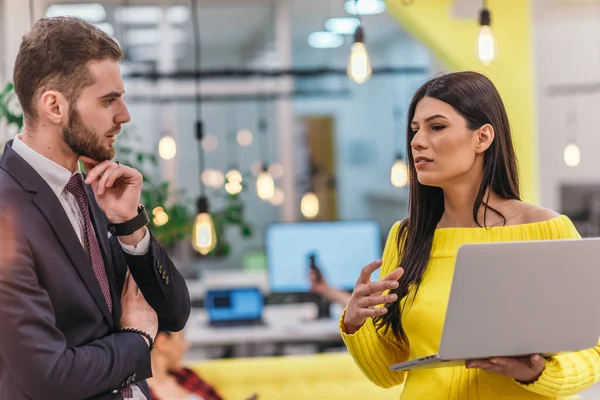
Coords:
pixel 340 249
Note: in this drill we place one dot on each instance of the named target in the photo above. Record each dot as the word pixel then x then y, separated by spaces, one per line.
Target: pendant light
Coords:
pixel 265 185
pixel 571 153
pixel 233 177
pixel 485 41
pixel 399 170
pixel 359 64
pixel 204 238
pixel 309 204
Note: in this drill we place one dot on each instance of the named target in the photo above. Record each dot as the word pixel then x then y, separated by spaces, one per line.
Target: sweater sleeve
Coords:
pixel 567 373
pixel 372 350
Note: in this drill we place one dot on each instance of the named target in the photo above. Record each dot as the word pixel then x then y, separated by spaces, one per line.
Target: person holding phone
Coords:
pixel 464 188
pixel 84 285
pixel 320 286
pixel 173 381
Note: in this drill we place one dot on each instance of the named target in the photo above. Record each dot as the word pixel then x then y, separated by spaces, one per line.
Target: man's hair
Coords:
pixel 54 55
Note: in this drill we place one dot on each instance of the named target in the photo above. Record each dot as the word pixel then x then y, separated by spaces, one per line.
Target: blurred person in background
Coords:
pixel 320 286
pixel 172 381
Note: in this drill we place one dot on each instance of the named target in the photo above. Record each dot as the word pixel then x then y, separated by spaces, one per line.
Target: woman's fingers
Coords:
pixel 367 302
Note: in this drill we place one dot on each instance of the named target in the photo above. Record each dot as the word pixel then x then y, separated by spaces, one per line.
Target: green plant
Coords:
pixel 9 107
pixel 232 215
pixel 158 195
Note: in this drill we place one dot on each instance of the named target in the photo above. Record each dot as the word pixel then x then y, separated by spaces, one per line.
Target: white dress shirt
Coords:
pixel 57 177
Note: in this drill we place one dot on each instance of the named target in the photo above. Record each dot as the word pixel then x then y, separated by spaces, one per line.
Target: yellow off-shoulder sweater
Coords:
pixel 373 351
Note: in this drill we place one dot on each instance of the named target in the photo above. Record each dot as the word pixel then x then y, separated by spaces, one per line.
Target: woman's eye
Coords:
pixel 437 127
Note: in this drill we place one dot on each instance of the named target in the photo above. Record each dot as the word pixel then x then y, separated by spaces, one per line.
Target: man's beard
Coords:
pixel 84 141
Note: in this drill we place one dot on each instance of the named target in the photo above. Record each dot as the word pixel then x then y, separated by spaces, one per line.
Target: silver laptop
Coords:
pixel 519 298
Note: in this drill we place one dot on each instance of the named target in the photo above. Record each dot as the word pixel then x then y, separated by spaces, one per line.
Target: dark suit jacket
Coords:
pixel 58 340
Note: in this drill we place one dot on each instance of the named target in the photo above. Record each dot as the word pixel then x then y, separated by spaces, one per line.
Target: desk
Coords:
pixel 286 323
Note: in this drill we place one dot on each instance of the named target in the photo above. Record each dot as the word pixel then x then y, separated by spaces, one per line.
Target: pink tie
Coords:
pixel 75 186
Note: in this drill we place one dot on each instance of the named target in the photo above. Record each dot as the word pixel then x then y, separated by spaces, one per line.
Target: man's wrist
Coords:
pixel 130 226
pixel 135 238
pixel 149 340
pixel 124 218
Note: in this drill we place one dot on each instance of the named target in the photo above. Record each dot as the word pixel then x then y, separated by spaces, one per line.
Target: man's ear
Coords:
pixel 54 107
pixel 485 138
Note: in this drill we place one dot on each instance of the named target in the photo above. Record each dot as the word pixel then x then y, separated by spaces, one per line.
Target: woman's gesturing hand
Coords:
pixel 367 295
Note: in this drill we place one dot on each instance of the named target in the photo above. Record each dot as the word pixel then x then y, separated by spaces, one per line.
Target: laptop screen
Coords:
pixel 234 304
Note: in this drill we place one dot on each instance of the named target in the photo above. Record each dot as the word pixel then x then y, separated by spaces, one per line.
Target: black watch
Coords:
pixel 128 227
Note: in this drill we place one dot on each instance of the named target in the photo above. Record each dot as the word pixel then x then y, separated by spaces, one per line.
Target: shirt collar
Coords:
pixel 55 175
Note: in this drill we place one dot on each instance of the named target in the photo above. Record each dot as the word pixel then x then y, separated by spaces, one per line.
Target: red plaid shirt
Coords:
pixel 190 381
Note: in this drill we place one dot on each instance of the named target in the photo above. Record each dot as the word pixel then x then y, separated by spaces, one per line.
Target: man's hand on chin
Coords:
pixel 117 189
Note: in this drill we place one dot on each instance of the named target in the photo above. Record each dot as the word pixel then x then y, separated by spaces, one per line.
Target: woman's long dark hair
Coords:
pixel 477 100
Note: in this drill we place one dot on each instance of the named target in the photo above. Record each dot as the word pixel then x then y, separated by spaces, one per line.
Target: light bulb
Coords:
pixel 210 143
pixel 309 205
pixel 572 155
pixel 157 210
pixel 278 197
pixel 485 41
pixel 167 148
pixel 486 45
pixel 265 187
pixel 245 137
pixel 160 218
pixel 213 178
pixel 233 187
pixel 233 175
pixel 276 170
pixel 359 65
pixel 204 238
pixel 399 173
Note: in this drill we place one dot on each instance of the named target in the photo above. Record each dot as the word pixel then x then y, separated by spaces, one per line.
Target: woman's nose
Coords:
pixel 418 141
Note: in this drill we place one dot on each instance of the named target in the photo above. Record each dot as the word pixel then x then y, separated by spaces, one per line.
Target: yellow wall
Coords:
pixel 453 42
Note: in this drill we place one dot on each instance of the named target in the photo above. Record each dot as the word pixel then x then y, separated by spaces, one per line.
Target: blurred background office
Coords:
pixel 272 134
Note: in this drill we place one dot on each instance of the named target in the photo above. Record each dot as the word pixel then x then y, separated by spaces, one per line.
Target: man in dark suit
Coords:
pixel 79 307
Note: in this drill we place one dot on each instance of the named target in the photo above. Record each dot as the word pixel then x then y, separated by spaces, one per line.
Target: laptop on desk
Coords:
pixel 519 298
pixel 234 307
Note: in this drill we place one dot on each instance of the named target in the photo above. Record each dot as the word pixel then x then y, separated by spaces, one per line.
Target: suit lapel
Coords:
pixel 47 202
pixel 45 199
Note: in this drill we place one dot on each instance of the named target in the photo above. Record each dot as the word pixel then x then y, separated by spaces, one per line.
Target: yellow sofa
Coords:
pixel 328 376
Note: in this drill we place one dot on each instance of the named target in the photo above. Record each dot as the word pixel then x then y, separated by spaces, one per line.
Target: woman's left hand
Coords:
pixel 523 369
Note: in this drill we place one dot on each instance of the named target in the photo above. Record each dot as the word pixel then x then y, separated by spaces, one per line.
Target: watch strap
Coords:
pixel 129 227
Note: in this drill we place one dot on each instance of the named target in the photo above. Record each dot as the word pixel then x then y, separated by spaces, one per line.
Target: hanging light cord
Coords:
pixel 232 161
pixel 262 131
pixel 199 126
pixel 31 14
pixel 360 21
pixel 396 114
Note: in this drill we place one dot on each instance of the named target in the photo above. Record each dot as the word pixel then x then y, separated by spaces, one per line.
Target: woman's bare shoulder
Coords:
pixel 531 213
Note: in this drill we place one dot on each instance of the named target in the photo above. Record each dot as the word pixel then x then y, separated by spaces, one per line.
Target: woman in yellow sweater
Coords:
pixel 463 189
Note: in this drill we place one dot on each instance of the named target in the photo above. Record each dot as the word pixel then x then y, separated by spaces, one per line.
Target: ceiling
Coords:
pixel 233 31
